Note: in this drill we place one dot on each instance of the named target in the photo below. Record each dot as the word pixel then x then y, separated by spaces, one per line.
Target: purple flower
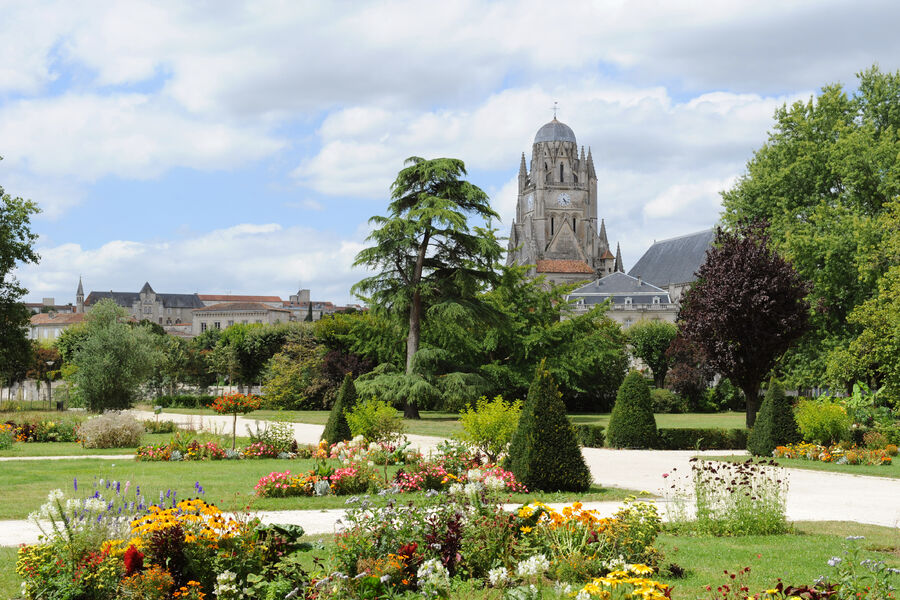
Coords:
pixel 75 482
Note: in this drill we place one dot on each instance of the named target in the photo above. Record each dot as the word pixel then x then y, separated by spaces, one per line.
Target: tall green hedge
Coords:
pixel 544 453
pixel 337 428
pixel 775 424
pixel 632 424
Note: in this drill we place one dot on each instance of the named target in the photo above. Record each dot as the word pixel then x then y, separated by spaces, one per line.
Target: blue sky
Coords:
pixel 241 147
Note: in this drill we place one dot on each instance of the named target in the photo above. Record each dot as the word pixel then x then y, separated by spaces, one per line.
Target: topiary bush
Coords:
pixel 112 429
pixel 337 429
pixel 543 453
pixel 775 424
pixel 632 424
pixel 667 401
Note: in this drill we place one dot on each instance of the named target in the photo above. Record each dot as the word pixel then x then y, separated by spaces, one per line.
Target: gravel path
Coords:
pixel 812 496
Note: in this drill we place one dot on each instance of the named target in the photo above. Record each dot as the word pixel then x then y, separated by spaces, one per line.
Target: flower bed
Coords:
pixel 44 430
pixel 837 454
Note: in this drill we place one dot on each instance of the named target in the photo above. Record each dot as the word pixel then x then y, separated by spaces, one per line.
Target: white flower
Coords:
pixel 583 595
pixel 55 495
pixel 455 488
pixel 497 577
pixel 94 505
pixel 474 475
pixel 432 574
pixel 532 566
pixel 473 488
pixel 494 483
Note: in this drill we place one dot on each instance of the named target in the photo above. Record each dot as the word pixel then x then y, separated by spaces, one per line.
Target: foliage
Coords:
pixel 276 434
pixel 745 309
pixel 16 247
pixel 775 424
pixel 649 341
pixel 822 421
pixel 665 401
pixel 112 429
pixel 733 499
pixel 375 420
pixel 544 453
pixel 424 252
pixel 293 378
pixel 689 374
pixel 490 425
pixel 701 439
pixel 725 396
pixel 337 428
pixel 632 424
pixel 589 436
pixel 45 430
pixel 234 405
pixel 838 454
pixel 113 359
pixel 823 180
pixel 184 400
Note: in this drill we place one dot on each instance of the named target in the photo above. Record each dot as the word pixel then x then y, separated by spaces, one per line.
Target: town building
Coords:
pixel 631 299
pixel 556 227
pixel 226 314
pixel 48 326
pixel 672 264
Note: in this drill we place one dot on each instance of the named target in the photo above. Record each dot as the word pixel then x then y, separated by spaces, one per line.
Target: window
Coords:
pixel 160 320
pixel 628 301
pixel 148 310
pixel 230 323
pixel 551 226
pixel 202 327
pixel 655 299
pixel 244 322
pixel 627 322
pixel 217 324
pixel 560 173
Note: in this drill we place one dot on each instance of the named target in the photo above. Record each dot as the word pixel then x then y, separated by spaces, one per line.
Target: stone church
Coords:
pixel 556 229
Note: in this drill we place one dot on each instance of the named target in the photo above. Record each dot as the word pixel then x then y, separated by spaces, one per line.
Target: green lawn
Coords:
pixel 75 449
pixel 228 484
pixel 891 470
pixel 725 420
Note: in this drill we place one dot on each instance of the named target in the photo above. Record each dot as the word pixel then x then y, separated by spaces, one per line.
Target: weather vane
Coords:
pixel 554 108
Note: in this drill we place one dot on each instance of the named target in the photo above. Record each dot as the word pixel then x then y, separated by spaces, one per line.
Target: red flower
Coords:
pixel 408 550
pixel 134 560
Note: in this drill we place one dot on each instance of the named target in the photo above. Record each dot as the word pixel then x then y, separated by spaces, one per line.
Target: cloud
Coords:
pixel 243 259
pixel 682 198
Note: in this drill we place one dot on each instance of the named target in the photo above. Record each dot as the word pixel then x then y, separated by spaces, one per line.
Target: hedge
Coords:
pixel 184 401
pixel 590 436
pixel 701 439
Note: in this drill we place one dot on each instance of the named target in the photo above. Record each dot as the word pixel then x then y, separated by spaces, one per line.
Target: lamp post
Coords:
pixel 49 385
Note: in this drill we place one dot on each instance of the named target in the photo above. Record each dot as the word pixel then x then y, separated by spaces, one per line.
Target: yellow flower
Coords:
pixel 525 529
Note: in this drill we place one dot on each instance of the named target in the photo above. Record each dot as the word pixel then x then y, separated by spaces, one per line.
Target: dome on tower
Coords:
pixel 555 131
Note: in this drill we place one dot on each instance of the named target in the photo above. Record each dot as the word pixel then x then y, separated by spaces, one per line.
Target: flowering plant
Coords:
pixel 235 404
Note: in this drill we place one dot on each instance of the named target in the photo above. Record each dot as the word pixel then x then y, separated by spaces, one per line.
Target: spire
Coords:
pixel 80 291
pixel 147 289
pixel 619 268
pixel 79 297
pixel 523 171
pixel 590 162
pixel 603 241
pixel 582 154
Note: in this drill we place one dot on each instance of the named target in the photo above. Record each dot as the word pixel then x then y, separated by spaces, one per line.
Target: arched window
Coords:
pixel 560 172
pixel 551 226
pixel 573 224
pixel 575 175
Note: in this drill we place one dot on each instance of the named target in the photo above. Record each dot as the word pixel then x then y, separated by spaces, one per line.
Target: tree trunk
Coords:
pixel 751 395
pixel 410 410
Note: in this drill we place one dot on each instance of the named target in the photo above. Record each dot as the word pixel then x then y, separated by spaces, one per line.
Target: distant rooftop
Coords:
pixel 675 260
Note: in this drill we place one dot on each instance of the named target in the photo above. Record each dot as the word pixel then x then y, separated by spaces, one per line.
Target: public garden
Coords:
pixel 470 436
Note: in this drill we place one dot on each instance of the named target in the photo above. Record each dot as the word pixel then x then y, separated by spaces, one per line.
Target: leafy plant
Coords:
pixel 376 421
pixel 822 421
pixel 490 425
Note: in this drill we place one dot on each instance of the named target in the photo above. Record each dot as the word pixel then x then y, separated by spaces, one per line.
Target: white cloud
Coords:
pixel 683 198
pixel 243 259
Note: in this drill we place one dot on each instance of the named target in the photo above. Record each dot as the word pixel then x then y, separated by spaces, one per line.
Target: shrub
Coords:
pixel 490 425
pixel 775 424
pixel 7 436
pixel 152 426
pixel 875 439
pixel 543 453
pixel 632 424
pixel 112 429
pixel 666 401
pixel 822 421
pixel 274 434
pixel 184 400
pixel 376 421
pixel 701 439
pixel 337 429
pixel 590 436
pixel 725 396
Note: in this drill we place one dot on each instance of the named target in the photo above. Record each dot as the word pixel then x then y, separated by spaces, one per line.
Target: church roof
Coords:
pixel 239 306
pixel 619 286
pixel 128 299
pixel 564 266
pixel 555 131
pixel 675 260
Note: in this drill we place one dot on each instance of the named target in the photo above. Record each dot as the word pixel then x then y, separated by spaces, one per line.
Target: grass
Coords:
pixel 228 484
pixel 891 470
pixel 27 449
pixel 446 424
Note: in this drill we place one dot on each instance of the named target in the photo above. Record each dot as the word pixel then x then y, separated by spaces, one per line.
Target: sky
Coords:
pixel 227 147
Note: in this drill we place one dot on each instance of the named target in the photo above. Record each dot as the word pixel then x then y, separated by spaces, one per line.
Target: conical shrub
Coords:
pixel 632 424
pixel 775 424
pixel 544 452
pixel 337 428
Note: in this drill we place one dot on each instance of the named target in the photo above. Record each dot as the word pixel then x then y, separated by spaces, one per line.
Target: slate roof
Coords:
pixel 232 298
pixel 238 306
pixel 675 260
pixel 127 299
pixel 555 131
pixel 564 266
pixel 180 300
pixel 619 286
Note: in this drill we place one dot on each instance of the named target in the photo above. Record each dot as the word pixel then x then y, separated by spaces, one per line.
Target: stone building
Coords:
pixel 556 227
pixel 48 326
pixel 226 314
pixel 631 299
pixel 162 309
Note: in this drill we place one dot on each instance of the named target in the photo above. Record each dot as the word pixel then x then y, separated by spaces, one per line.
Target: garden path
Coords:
pixel 813 495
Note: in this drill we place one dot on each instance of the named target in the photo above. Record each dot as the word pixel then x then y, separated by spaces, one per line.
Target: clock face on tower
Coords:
pixel 564 199
pixel 529 200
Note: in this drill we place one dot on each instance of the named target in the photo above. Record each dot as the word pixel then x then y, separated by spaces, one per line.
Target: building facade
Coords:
pixel 556 228
pixel 226 314
pixel 48 326
pixel 631 299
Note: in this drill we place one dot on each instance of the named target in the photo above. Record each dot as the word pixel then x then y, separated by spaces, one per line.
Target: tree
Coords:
pixel 337 428
pixel 45 366
pixel 16 246
pixel 689 374
pixel 632 423
pixel 775 425
pixel 544 453
pixel 424 252
pixel 114 358
pixel 745 310
pixel 649 341
pixel 822 180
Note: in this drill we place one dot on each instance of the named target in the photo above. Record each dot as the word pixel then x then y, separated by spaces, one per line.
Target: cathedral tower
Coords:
pixel 556 227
